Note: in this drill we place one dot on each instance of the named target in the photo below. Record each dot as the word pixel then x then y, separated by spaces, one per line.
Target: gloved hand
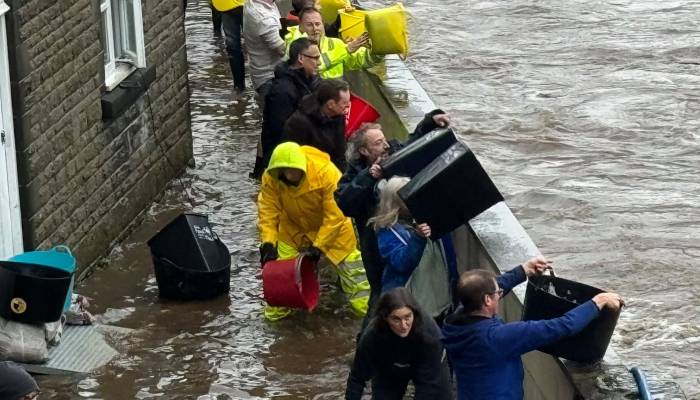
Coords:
pixel 313 253
pixel 268 252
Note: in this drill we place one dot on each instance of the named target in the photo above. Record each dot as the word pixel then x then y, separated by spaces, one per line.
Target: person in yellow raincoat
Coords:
pixel 297 213
pixel 336 55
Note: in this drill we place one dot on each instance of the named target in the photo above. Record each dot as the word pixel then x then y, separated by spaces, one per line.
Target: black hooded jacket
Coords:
pixel 289 86
pixel 391 362
pixel 310 126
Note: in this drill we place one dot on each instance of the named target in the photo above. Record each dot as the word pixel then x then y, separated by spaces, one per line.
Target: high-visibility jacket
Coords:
pixel 225 5
pixel 334 55
pixel 306 214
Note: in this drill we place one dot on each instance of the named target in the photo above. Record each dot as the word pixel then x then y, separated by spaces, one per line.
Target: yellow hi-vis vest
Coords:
pixel 225 5
pixel 334 55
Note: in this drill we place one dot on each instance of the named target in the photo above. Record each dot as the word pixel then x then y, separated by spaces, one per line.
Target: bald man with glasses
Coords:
pixel 293 80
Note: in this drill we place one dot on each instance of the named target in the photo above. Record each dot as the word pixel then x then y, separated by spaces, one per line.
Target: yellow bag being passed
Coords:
pixel 388 30
pixel 225 5
pixel 329 9
pixel 352 24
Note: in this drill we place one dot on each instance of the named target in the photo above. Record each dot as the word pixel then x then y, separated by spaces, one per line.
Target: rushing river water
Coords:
pixel 585 114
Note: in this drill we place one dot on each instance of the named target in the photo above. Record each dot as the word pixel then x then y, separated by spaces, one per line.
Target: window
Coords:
pixel 122 36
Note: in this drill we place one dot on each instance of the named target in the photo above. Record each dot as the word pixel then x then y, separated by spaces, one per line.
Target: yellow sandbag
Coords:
pixel 388 30
pixel 329 9
pixel 352 24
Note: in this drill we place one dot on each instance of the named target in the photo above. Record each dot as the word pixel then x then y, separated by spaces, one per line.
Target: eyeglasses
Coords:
pixel 315 58
pixel 498 292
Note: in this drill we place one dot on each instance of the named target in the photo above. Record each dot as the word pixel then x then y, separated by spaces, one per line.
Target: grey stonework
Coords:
pixel 82 179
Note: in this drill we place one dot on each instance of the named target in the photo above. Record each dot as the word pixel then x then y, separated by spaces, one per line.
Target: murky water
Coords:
pixel 586 115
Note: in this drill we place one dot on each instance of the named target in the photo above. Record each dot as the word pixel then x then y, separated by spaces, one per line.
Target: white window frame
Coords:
pixel 115 22
pixel 10 215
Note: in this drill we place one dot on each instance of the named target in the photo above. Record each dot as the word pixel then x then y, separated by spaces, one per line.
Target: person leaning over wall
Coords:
pixel 16 383
pixel 485 351
pixel 336 55
pixel 297 214
pixel 320 120
pixel 356 195
pixel 401 344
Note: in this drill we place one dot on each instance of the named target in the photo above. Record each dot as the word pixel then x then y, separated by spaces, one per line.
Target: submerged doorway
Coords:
pixel 10 217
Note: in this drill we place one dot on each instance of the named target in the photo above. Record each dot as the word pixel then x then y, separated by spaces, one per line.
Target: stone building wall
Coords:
pixel 84 178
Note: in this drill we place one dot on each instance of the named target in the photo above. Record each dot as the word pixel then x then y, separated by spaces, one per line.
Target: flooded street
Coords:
pixel 587 116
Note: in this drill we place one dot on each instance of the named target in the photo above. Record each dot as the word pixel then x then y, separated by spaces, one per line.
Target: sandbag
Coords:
pixel 388 30
pixel 329 9
pixel 22 343
pixel 352 24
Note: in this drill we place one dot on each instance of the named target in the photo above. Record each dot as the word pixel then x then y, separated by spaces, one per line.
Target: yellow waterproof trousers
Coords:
pixel 353 282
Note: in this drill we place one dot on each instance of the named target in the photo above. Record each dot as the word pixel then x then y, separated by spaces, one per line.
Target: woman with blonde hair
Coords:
pixel 410 258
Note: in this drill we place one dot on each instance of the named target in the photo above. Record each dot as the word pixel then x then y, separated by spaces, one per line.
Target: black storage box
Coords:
pixel 189 259
pixel 550 297
pixel 415 156
pixel 450 191
pixel 32 293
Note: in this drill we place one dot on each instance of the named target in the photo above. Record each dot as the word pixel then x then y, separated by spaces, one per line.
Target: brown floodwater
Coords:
pixel 585 113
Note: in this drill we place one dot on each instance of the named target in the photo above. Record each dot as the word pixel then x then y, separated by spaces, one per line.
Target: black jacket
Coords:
pixel 356 198
pixel 309 126
pixel 391 361
pixel 289 86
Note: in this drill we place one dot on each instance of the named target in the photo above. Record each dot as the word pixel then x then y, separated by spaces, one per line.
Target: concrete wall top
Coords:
pixel 506 242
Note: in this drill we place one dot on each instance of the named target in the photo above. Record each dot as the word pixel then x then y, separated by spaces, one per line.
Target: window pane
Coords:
pixel 105 37
pixel 127 31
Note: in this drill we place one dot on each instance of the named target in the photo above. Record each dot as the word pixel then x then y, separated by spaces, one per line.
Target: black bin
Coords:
pixel 450 191
pixel 414 157
pixel 550 297
pixel 189 260
pixel 32 293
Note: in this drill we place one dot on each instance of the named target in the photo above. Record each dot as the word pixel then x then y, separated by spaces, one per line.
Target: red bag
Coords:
pixel 360 112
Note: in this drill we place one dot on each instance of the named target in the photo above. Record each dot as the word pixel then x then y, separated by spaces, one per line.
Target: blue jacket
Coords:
pixel 401 256
pixel 485 352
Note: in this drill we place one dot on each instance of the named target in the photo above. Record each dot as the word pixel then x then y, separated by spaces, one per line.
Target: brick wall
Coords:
pixel 82 179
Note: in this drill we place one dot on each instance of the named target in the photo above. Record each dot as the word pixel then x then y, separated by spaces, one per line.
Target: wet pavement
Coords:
pixel 584 113
pixel 218 349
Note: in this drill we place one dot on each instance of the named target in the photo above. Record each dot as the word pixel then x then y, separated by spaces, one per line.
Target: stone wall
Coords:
pixel 82 179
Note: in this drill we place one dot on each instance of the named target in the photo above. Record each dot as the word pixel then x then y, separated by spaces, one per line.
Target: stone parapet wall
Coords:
pixel 84 179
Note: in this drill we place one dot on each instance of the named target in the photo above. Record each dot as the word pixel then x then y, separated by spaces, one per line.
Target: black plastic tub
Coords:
pixel 413 158
pixel 32 293
pixel 189 260
pixel 590 344
pixel 189 242
pixel 450 191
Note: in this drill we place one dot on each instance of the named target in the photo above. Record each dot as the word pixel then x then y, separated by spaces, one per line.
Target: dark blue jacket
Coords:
pixel 401 257
pixel 485 352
